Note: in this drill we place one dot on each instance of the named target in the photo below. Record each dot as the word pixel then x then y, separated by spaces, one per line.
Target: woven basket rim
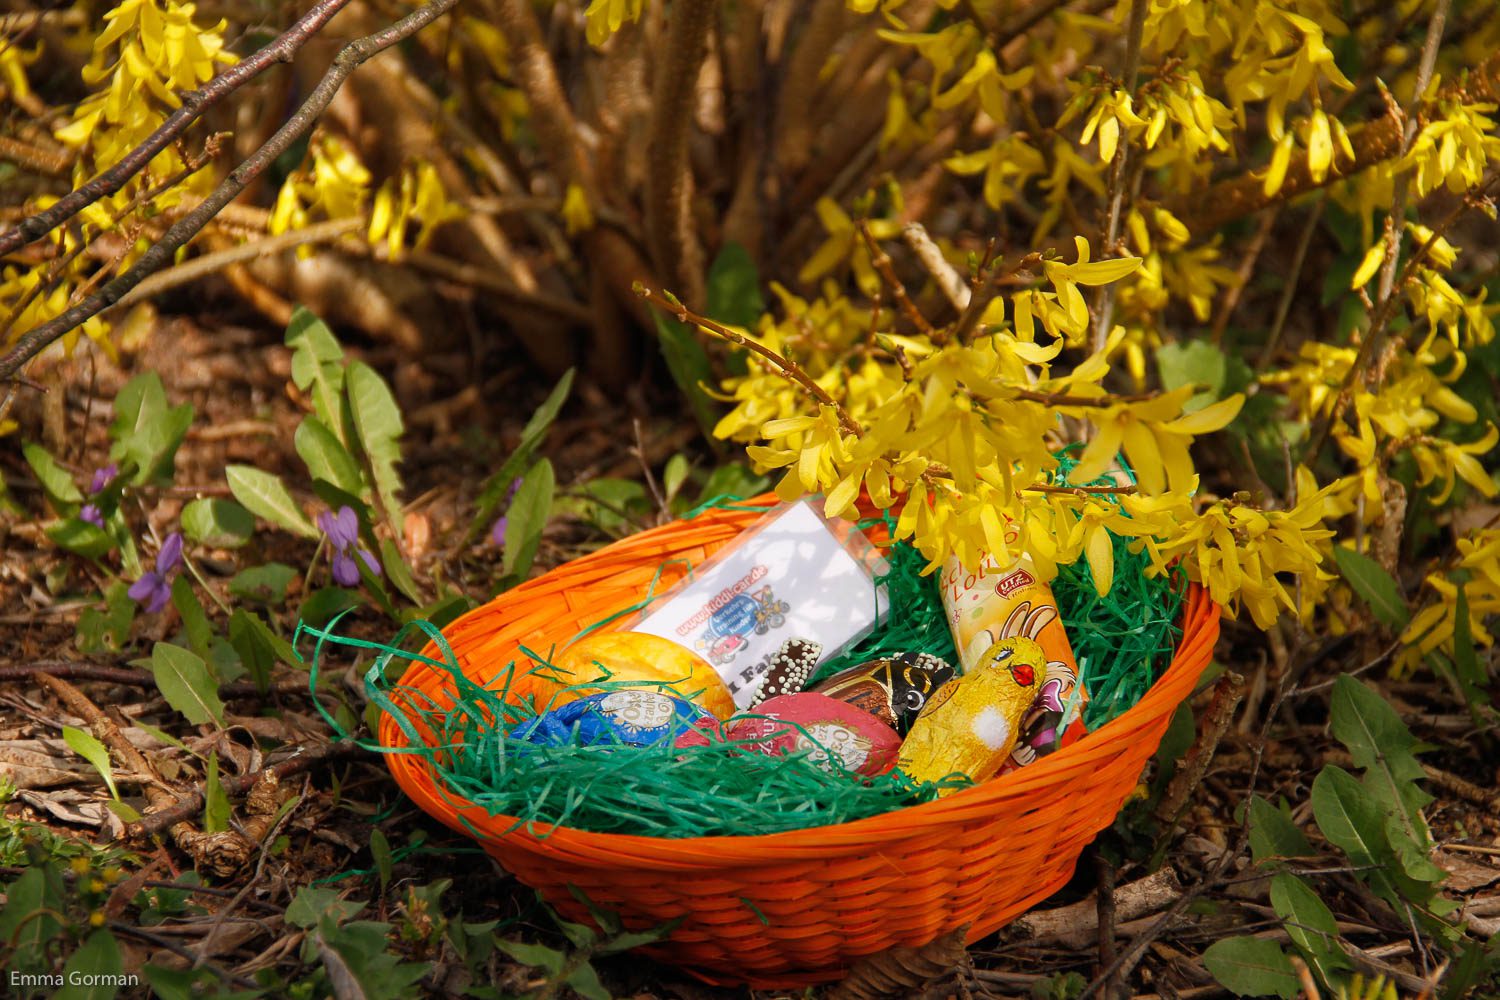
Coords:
pixel 1199 617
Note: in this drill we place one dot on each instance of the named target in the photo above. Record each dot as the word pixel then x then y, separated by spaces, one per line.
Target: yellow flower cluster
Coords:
pixel 337 186
pixel 1477 571
pixel 961 437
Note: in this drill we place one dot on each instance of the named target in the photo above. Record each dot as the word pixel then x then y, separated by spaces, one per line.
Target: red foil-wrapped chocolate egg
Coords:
pixel 831 730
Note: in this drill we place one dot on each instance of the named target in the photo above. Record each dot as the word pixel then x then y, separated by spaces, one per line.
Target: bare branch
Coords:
pixel 35 340
pixel 1105 317
pixel 194 103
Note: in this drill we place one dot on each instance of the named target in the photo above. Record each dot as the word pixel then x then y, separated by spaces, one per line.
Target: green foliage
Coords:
pixel 266 496
pixel 526 518
pixel 218 523
pixel 1374 819
pixel 185 680
pixel 55 481
pixel 106 631
pixel 87 746
pixel 378 420
pixel 147 431
pixel 498 485
pixel 215 799
pixel 93 971
pixel 263 584
pixel 1252 967
pixel 1374 585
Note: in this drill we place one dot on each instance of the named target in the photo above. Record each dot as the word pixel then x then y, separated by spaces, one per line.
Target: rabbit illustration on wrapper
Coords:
pixel 993 604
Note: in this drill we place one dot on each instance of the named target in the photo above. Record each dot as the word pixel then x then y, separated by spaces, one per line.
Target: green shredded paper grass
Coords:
pixel 1122 642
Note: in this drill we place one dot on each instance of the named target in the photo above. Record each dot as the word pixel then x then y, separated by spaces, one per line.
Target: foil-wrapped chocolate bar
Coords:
pixel 893 689
pixel 970 725
pixel 839 735
pixel 632 717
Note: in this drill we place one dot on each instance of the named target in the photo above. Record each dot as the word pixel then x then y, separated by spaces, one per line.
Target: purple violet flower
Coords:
pixel 342 531
pixel 497 533
pixel 91 512
pixel 102 477
pixel 153 588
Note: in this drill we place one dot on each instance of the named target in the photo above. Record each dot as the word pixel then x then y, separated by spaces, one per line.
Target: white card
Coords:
pixel 790 578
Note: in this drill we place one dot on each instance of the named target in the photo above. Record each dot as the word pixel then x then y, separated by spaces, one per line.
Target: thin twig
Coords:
pixel 788 368
pixel 1289 292
pixel 949 281
pixel 887 272
pixel 1135 27
pixel 194 104
pixel 34 341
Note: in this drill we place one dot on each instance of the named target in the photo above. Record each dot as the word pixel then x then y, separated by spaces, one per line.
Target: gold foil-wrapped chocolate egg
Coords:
pixel 657 663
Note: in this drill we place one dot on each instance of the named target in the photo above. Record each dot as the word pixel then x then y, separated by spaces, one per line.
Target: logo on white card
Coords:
pixel 726 629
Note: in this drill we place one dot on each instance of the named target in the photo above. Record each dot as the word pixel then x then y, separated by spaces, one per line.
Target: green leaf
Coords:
pixel 312 902
pixel 1350 817
pixel 27 920
pixel 1196 362
pixel 146 431
pixel 1384 748
pixel 215 799
pixel 266 496
pixel 497 487
pixel 688 363
pixel 200 633
pixel 528 514
pixel 56 482
pixel 378 420
pixel 733 480
pixel 733 294
pixel 1273 834
pixel 185 681
pixel 398 572
pixel 1471 673
pixel 222 524
pixel 1310 924
pixel 538 956
pixel 1252 967
pixel 263 584
pixel 675 475
pixel 380 853
pixel 322 605
pixel 326 457
pixel 106 631
pixel 85 745
pixel 124 810
pixel 94 970
pixel 318 367
pixel 81 538
pixel 259 648
pixel 585 982
pixel 118 529
pixel 1374 586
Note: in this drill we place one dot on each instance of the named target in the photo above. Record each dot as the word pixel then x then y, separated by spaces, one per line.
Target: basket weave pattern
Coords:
pixel 798 907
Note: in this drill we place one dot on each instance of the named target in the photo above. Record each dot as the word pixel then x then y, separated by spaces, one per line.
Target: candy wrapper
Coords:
pixel 794 574
pixel 861 743
pixel 635 656
pixel 970 725
pixel 997 603
pixel 893 689
pixel 630 716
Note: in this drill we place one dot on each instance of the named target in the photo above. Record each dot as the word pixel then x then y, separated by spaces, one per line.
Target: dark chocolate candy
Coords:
pixel 893 689
pixel 790 669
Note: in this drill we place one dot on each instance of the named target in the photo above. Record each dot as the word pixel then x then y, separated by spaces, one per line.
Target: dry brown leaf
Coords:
pixel 901 971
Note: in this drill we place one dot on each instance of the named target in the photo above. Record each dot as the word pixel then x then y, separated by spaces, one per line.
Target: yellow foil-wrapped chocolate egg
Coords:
pixel 638 656
pixel 970 724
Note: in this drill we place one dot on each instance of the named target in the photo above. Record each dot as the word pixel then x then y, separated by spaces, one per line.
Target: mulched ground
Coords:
pixel 464 412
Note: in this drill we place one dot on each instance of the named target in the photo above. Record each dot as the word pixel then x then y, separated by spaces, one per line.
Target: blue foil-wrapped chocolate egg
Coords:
pixel 631 716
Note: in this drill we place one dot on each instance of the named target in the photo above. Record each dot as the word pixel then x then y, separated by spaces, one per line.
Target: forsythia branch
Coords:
pixel 35 340
pixel 194 104
pixel 787 367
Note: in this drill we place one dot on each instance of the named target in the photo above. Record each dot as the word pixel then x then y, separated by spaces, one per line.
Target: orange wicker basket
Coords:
pixel 790 909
